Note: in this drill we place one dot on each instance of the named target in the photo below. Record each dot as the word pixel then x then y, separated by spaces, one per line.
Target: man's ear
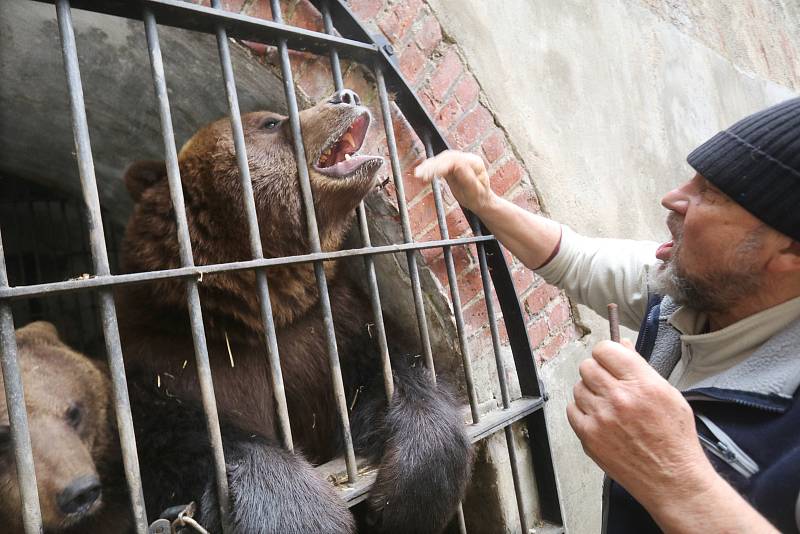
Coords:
pixel 787 259
pixel 142 175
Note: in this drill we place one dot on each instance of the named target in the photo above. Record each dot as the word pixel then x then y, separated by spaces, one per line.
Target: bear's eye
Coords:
pixel 270 124
pixel 74 415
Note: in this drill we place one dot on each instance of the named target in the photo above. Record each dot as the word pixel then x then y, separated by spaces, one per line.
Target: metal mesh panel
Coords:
pixel 17 291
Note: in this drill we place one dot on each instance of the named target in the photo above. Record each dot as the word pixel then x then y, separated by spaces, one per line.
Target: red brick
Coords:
pixel 537 332
pixel 507 177
pixel 356 78
pixel 537 300
pixel 446 72
pixel 457 224
pixel 551 349
pixel 315 79
pixel 494 147
pixel 365 10
pixel 467 90
pixel 260 9
pixel 475 316
pixel 559 315
pixel 399 19
pixel 524 279
pixel 470 284
pixel 427 101
pixel 429 35
pixel 305 15
pixel 474 126
pixel 422 214
pixel 412 61
pixel 448 114
pixel 414 187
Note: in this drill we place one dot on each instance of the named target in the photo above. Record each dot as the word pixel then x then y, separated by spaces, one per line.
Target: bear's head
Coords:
pixel 67 398
pixel 333 132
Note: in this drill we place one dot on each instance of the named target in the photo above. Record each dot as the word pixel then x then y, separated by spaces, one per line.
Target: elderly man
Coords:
pixel 707 436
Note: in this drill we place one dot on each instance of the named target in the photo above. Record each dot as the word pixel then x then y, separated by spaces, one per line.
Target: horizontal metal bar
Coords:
pixel 79 284
pixel 334 471
pixel 188 16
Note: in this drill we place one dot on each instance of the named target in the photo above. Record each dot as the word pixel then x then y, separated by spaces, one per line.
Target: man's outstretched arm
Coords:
pixel 530 237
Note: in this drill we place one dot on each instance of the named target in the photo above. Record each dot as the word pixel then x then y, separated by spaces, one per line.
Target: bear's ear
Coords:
pixel 38 332
pixel 142 175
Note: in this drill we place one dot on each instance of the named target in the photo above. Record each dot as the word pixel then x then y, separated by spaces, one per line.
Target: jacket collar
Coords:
pixel 768 379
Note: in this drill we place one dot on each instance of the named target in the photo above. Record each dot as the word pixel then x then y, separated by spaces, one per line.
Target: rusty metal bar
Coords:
pixel 369 263
pixel 185 245
pixel 99 254
pixel 419 304
pixel 256 250
pixel 17 417
pixel 454 294
pixel 313 231
pixel 21 292
pixel 194 17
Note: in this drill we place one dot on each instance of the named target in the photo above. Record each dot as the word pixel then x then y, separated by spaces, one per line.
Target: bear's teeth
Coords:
pixel 347 156
pixel 348 138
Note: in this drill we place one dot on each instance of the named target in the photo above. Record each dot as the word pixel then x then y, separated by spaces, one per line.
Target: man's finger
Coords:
pixel 585 399
pixel 596 378
pixel 620 361
pixel 577 420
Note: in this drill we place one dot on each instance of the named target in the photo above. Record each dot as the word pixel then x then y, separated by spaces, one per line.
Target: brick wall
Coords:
pixel 436 70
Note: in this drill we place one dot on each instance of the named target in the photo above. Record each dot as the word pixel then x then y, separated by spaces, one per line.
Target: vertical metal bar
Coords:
pixel 422 321
pixel 276 375
pixel 336 67
pixel 369 263
pixel 116 364
pixel 485 280
pixel 501 377
pixel 454 295
pixel 185 245
pixel 15 400
pixel 313 234
pixel 462 525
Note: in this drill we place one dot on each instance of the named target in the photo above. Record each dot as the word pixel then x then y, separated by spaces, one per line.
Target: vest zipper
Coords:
pixel 726 449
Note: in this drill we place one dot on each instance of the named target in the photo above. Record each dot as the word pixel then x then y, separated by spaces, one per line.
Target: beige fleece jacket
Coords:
pixel 597 271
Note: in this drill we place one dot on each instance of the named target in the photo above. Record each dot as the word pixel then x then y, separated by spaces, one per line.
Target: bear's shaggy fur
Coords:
pixel 417 440
pixel 75 449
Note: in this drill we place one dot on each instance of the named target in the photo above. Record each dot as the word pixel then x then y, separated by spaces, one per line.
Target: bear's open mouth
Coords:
pixel 339 159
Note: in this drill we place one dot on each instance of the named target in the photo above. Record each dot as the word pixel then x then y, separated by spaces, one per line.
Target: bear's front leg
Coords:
pixel 273 491
pixel 425 455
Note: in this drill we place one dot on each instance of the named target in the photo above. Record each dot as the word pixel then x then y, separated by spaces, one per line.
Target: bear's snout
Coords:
pixel 79 496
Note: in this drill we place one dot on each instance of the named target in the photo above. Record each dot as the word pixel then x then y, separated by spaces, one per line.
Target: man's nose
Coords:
pixel 676 200
pixel 345 96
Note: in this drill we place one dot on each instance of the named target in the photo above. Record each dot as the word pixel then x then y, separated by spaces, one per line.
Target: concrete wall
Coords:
pixel 602 100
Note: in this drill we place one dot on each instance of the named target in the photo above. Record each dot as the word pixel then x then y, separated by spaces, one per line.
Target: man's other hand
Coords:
pixel 636 426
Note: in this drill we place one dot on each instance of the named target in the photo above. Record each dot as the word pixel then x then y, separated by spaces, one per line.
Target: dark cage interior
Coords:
pixel 44 240
pixel 60 247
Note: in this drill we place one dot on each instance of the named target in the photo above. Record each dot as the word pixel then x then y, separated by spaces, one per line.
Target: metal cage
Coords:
pixel 349 40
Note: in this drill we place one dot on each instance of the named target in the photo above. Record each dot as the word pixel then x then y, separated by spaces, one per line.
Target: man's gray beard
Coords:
pixel 718 290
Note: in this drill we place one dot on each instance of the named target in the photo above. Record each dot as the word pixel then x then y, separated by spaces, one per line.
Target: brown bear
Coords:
pixel 417 440
pixel 75 449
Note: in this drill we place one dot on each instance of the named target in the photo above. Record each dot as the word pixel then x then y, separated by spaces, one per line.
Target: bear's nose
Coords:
pixel 345 96
pixel 79 495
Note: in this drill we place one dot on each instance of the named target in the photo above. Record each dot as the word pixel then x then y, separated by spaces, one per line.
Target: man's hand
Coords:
pixel 641 432
pixel 636 426
pixel 465 174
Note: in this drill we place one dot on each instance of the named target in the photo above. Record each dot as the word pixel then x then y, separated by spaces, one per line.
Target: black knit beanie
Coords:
pixel 756 162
